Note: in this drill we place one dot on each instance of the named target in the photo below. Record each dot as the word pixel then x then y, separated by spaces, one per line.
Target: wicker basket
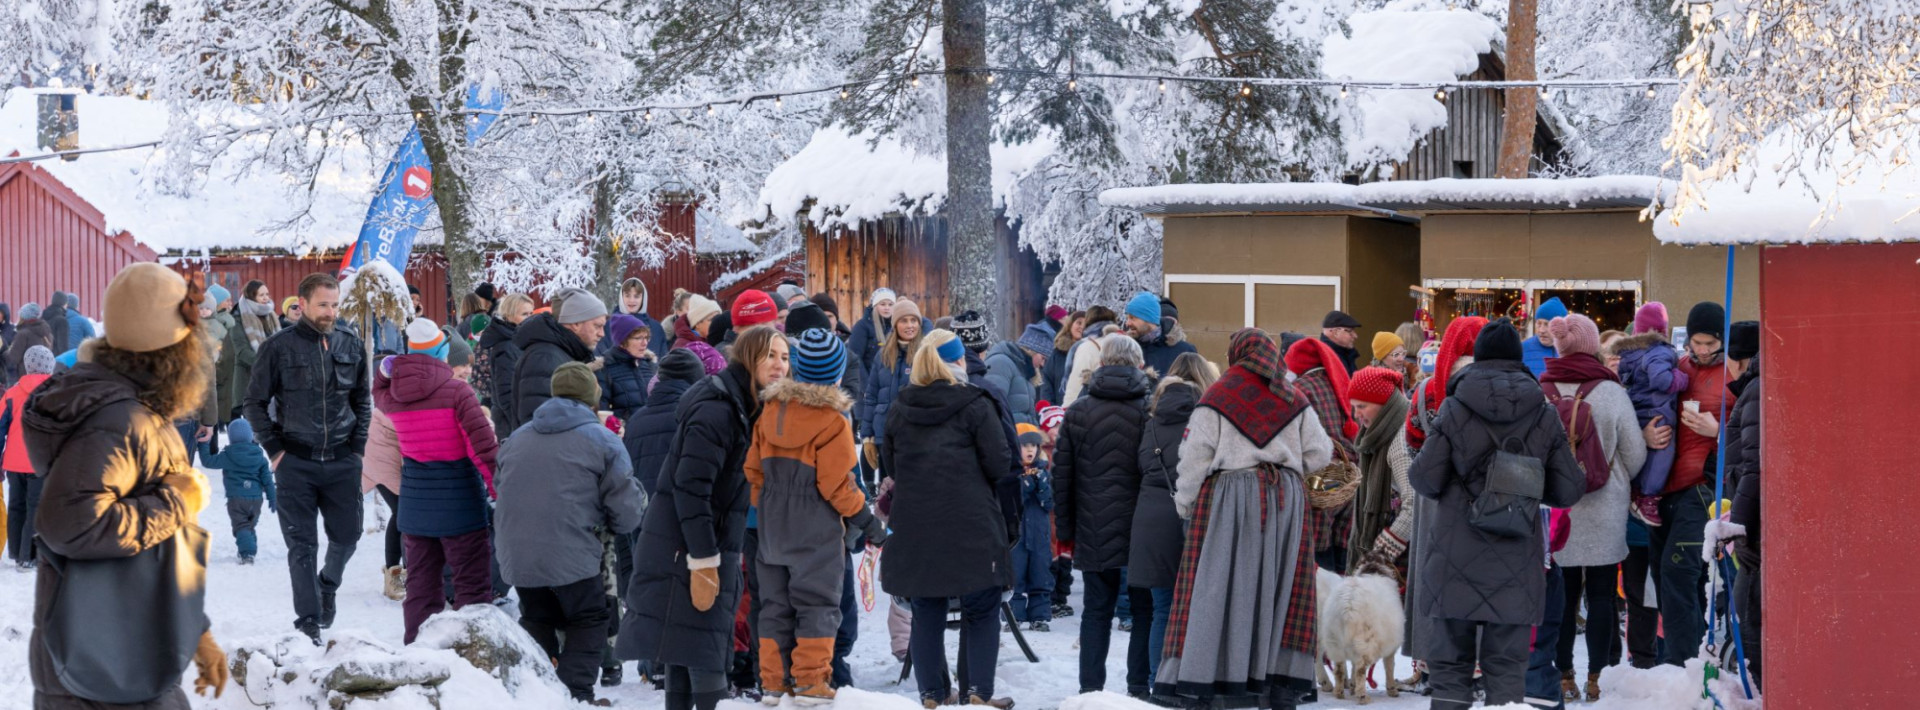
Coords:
pixel 1333 486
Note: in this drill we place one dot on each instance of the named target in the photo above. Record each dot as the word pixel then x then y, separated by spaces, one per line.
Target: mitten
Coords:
pixel 613 425
pixel 870 526
pixel 705 581
pixel 212 663
pixel 191 487
pixel 1389 545
pixel 871 452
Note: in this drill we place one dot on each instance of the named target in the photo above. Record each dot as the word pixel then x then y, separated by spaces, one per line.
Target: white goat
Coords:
pixel 1360 621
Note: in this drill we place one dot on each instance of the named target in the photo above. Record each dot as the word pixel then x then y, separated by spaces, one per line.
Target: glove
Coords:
pixel 191 487
pixel 705 584
pixel 212 663
pixel 1388 545
pixel 870 526
pixel 273 507
pixel 871 451
pixel 613 425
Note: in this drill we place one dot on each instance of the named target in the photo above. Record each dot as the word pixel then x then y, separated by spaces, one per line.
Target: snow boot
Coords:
pixel 813 695
pixel 246 560
pixel 1646 510
pixel 1062 611
pixel 1039 626
pixel 1569 690
pixel 975 697
pixel 396 583
pixel 1593 687
pixel 327 610
pixel 611 676
pixel 309 628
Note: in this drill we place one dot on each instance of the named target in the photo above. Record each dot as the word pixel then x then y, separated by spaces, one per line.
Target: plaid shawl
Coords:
pixel 1457 343
pixel 1330 527
pixel 1309 355
pixel 1252 395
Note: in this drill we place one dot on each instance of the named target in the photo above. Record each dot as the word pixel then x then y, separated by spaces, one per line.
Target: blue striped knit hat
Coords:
pixel 818 357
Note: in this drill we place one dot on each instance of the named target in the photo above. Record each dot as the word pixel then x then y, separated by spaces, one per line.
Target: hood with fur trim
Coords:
pixel 1642 341
pixel 797 414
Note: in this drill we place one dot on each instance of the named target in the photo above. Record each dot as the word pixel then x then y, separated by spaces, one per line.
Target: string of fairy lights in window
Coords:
pixel 844 91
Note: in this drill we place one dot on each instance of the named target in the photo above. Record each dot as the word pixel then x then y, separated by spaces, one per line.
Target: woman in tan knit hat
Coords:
pixel 119 491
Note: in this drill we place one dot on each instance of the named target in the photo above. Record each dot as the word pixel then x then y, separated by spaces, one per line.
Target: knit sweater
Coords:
pixel 1213 445
pixel 1599 535
pixel 1399 460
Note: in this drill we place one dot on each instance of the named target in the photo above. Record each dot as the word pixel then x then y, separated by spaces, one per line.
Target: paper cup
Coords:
pixel 1692 406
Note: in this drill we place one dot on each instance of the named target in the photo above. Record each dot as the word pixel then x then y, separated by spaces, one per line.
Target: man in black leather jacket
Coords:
pixel 309 402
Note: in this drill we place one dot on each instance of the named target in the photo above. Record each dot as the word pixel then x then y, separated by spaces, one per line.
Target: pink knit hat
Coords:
pixel 1651 318
pixel 1575 334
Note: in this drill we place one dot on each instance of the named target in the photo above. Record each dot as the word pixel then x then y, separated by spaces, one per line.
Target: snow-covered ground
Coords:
pixel 251 606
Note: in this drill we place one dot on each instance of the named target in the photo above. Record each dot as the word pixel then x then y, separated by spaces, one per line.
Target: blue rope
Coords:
pixel 1719 494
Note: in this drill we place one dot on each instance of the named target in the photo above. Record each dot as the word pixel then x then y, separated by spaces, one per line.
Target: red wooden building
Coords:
pixel 52 239
pixel 1837 457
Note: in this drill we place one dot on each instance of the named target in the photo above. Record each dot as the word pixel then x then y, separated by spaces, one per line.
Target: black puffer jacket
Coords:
pixel 503 356
pixel 311 395
pixel 648 434
pixel 1096 468
pixel 948 457
pixel 1461 573
pixel 1743 454
pixel 699 510
pixel 1158 532
pixel 623 382
pixel 1009 487
pixel 545 345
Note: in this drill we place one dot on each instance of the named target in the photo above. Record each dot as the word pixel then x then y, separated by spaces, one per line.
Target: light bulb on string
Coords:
pixel 989 77
pixel 590 117
pixel 1343 91
pixel 778 104
pixel 1546 92
pixel 648 115
pixel 1440 93
pixel 709 109
pixel 1163 86
pixel 843 93
pixel 1651 93
pixel 1246 89
pixel 533 120
pixel 916 81
pixel 1073 84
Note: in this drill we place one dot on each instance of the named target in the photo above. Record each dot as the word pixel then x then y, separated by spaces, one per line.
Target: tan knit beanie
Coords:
pixel 143 308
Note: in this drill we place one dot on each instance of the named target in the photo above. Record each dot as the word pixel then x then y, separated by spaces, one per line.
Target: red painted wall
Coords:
pixel 1840 477
pixel 51 239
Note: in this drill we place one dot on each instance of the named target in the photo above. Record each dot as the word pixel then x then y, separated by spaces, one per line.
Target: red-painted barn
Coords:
pixel 51 238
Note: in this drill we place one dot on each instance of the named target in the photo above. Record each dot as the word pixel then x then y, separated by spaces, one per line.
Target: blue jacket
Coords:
pixel 244 471
pixel 1036 509
pixel 1535 355
pixel 883 386
pixel 1163 346
pixel 79 329
pixel 623 382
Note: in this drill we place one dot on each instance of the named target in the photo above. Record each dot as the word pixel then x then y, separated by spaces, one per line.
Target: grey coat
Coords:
pixel 1598 537
pixel 1461 573
pixel 1009 366
pixel 562 476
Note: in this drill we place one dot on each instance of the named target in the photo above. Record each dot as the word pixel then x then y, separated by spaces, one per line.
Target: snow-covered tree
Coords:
pixel 1834 80
pixel 44 41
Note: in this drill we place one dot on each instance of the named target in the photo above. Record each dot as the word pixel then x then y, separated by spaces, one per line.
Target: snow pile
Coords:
pixel 1571 192
pixel 1398 194
pixel 854 178
pixel 1409 46
pixel 1624 687
pixel 228 208
pixel 712 235
pixel 438 671
pixel 1865 201
pixel 376 290
pixel 1228 194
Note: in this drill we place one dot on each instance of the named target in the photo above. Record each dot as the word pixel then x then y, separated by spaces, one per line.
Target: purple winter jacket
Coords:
pixel 1649 367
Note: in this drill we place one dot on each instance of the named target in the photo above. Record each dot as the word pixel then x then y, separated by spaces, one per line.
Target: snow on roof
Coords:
pixel 765 262
pixel 1447 194
pixel 853 178
pixel 1809 206
pixel 225 211
pixel 1402 45
pixel 712 235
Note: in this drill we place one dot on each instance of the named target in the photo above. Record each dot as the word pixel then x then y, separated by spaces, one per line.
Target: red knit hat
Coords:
pixel 1374 385
pixel 754 307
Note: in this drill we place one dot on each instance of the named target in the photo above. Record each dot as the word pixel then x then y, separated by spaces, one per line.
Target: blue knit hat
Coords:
pixel 239 432
pixel 216 295
pixel 1550 309
pixel 1037 338
pixel 819 357
pixel 1146 307
pixel 952 350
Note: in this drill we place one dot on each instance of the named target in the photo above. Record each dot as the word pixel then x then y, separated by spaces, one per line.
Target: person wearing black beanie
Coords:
pixel 1744 341
pixel 1707 318
pixel 1498 341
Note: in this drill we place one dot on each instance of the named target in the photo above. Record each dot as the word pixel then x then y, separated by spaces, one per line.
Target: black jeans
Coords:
pixel 1543 679
pixel 1678 571
pixel 849 631
pixel 23 500
pixel 395 553
pixel 313 493
pixel 1102 595
pixel 1597 584
pixel 1746 604
pixel 1500 650
pixel 579 612
pixel 979 644
pixel 1643 621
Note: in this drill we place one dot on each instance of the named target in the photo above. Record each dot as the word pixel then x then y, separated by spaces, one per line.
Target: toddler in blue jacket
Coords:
pixel 1033 557
pixel 249 481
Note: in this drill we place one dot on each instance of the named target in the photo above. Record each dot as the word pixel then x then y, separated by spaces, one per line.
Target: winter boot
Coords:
pixel 1126 626
pixel 975 697
pixel 308 627
pixel 612 676
pixel 327 609
pixel 1039 626
pixel 773 673
pixel 246 560
pixel 1569 690
pixel 396 588
pixel 1062 611
pixel 1647 510
pixel 812 695
pixel 813 671
pixel 1593 687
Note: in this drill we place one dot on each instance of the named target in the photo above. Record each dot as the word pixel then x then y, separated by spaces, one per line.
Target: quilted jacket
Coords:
pixel 1096 468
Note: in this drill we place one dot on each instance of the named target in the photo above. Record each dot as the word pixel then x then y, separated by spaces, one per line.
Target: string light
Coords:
pixel 709 109
pixel 1073 84
pixel 1343 91
pixel 1440 93
pixel 1163 86
pixel 777 104
pixel 1651 92
pixel 533 120
pixel 590 117
pixel 989 77
pixel 1246 89
pixel 916 81
pixel 843 94
pixel 649 116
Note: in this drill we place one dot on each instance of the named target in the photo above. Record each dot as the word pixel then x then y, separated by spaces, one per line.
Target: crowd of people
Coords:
pixel 692 493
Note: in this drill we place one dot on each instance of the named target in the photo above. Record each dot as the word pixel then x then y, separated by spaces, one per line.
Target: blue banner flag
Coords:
pixel 405 197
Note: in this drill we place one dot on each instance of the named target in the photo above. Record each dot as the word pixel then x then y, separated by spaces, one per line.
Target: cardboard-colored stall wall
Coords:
pixel 1683 277
pixel 1283 307
pixel 1383 259
pixel 1280 244
pixel 1210 313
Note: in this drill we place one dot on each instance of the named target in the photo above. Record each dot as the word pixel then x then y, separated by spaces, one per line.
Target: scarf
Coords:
pixel 258 320
pixel 1252 395
pixel 1576 369
pixel 1309 354
pixel 1373 505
